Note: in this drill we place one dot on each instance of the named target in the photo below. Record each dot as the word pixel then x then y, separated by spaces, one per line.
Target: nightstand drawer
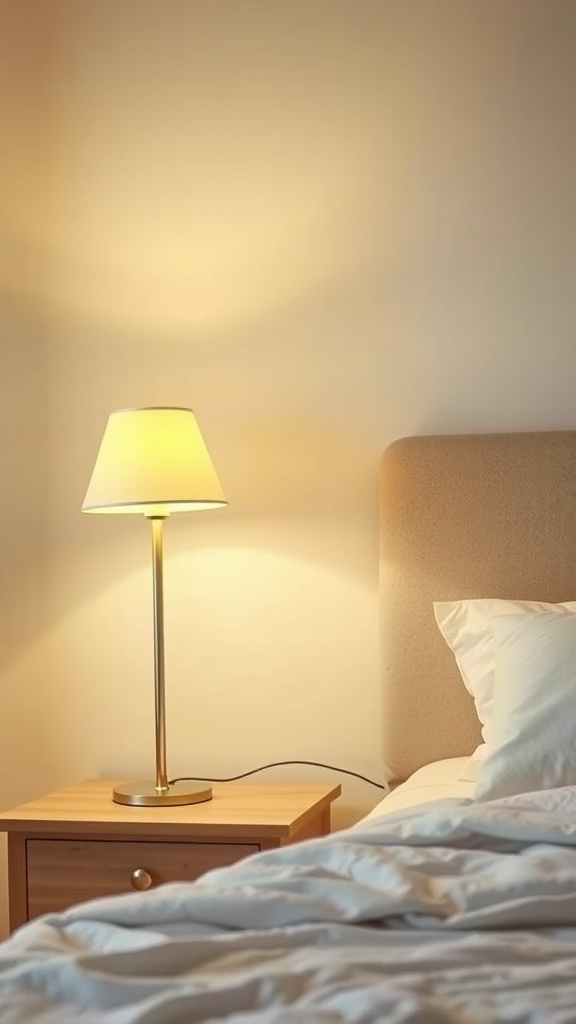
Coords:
pixel 63 871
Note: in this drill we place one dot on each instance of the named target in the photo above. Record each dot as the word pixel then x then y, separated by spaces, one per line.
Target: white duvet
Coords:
pixel 458 912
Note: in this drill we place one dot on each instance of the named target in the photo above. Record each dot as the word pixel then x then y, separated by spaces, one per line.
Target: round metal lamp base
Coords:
pixel 145 794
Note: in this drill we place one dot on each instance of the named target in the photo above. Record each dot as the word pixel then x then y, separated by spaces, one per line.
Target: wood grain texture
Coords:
pixel 245 811
pixel 62 872
pixel 18 883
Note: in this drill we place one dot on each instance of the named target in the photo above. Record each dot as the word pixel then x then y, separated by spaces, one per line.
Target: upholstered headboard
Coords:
pixel 479 515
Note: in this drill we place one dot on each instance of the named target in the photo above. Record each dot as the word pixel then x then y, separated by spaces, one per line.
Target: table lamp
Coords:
pixel 154 462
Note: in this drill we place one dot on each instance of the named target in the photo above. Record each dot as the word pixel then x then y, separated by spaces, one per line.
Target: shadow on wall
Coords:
pixel 23 557
pixel 24 509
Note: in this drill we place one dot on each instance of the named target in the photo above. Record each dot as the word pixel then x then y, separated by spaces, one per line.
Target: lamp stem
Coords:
pixel 159 685
pixel 159 793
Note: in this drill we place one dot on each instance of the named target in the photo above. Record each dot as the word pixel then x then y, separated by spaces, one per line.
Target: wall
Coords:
pixel 24 677
pixel 324 225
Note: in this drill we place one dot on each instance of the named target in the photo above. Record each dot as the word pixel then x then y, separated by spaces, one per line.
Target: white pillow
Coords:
pixel 533 727
pixel 467 629
pixel 469 772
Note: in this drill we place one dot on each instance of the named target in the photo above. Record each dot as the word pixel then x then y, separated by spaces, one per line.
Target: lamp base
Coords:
pixel 145 794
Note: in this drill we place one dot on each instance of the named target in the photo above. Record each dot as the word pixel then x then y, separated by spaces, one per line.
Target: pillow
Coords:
pixel 467 629
pixel 534 706
pixel 469 772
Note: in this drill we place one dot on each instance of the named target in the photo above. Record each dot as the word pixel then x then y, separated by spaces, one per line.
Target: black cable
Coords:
pixel 279 764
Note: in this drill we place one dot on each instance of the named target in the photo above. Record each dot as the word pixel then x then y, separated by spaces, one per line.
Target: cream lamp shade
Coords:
pixel 153 461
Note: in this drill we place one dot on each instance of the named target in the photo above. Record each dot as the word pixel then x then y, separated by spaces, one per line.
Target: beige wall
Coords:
pixel 24 679
pixel 324 224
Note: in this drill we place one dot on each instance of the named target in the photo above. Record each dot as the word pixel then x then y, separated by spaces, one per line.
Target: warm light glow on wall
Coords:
pixel 220 178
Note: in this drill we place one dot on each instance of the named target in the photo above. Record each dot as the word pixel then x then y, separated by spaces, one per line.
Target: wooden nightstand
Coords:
pixel 76 844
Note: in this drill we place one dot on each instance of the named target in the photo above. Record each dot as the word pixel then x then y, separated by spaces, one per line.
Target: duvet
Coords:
pixel 457 912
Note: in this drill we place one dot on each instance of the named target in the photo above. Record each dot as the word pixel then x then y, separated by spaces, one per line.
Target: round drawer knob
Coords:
pixel 141 879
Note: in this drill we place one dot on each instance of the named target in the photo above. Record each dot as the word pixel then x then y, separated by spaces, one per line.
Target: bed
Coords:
pixel 455 898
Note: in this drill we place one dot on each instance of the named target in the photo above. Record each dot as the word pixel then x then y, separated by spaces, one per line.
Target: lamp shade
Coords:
pixel 153 462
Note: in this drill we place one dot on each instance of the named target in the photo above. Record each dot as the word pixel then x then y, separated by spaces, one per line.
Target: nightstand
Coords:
pixel 76 844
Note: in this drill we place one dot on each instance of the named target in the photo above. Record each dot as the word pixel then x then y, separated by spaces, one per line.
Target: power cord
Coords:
pixel 280 764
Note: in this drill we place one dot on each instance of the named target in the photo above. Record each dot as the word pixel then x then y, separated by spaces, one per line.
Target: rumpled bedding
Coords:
pixel 456 912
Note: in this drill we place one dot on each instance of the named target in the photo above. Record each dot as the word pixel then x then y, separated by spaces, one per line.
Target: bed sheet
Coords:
pixel 463 911
pixel 436 781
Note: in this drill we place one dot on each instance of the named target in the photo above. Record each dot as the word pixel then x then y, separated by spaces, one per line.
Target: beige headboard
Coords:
pixel 479 515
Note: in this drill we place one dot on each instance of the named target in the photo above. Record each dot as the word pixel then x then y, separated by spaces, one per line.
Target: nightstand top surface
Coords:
pixel 273 810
